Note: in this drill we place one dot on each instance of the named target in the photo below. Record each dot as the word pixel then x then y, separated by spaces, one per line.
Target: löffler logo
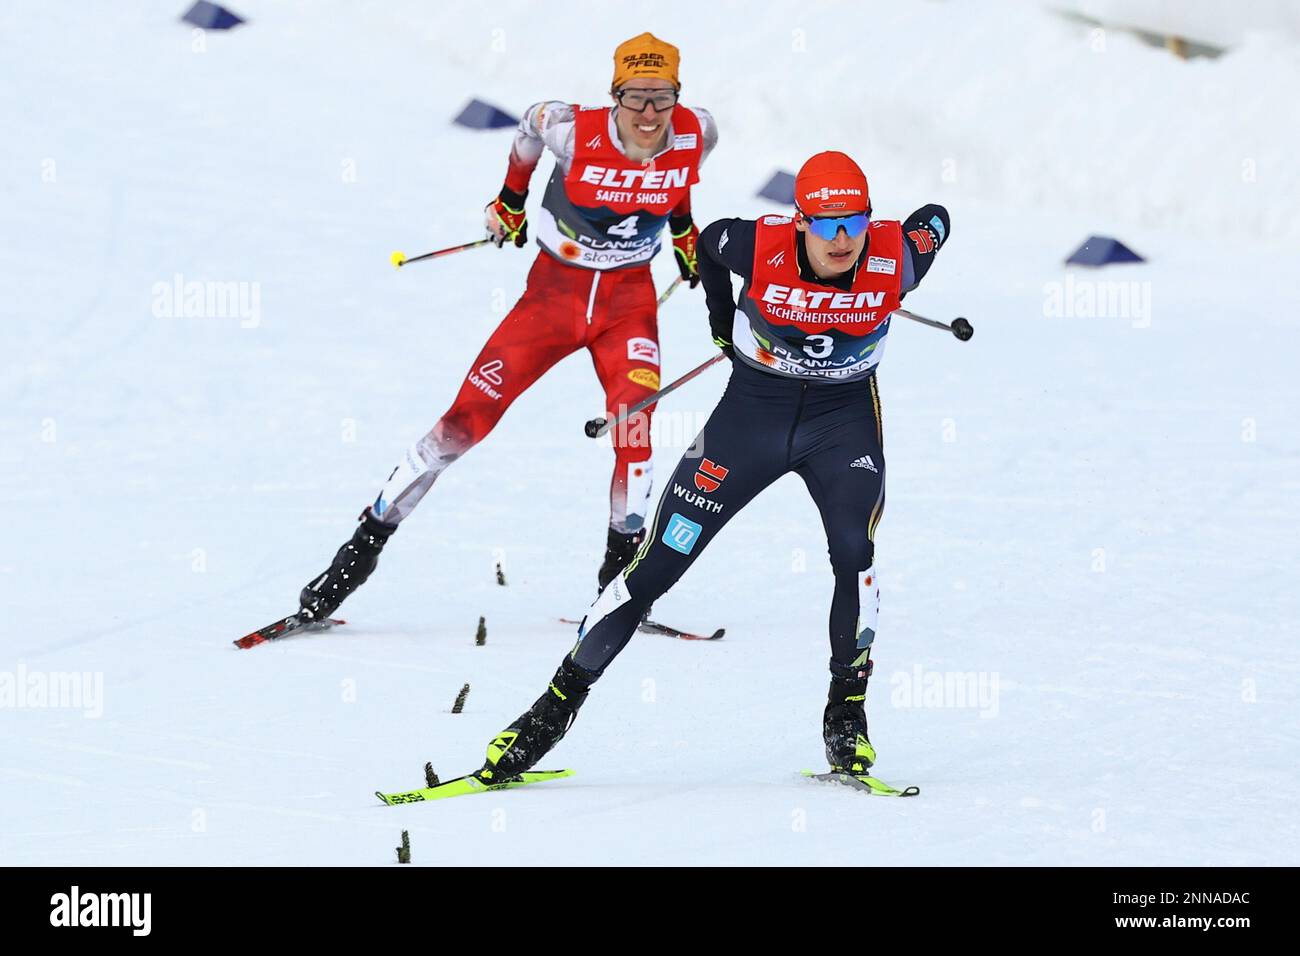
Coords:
pixel 488 374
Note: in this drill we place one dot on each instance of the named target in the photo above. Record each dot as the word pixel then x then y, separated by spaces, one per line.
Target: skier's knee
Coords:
pixel 630 500
pixel 850 553
pixel 458 431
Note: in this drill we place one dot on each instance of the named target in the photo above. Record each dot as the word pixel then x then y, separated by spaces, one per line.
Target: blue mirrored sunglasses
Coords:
pixel 827 227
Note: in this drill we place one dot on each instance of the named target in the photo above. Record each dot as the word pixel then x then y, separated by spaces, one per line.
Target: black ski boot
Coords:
pixel 349 569
pixel 541 727
pixel 844 725
pixel 620 549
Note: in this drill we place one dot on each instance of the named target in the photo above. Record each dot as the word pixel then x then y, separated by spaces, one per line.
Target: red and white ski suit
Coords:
pixel 600 223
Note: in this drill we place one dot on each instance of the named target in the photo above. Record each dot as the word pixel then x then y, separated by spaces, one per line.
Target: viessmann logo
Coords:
pixel 827 193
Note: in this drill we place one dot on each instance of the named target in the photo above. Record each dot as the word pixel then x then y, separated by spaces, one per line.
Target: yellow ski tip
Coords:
pixel 398 259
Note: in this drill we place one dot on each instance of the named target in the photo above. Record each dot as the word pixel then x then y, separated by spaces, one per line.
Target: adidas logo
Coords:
pixel 865 462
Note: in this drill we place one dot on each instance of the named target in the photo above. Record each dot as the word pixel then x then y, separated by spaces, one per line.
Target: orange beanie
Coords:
pixel 645 56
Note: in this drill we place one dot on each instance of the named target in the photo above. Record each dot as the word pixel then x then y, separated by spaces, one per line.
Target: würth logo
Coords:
pixel 709 478
pixel 697 499
pixel 75 908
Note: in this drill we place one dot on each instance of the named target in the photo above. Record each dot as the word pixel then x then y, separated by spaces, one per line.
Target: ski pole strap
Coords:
pixel 647 402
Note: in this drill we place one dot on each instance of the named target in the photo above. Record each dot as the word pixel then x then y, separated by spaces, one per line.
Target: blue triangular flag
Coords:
pixel 480 115
pixel 1102 250
pixel 211 17
pixel 780 188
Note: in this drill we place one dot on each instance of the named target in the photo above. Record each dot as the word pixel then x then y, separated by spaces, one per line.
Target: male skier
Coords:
pixel 805 337
pixel 621 174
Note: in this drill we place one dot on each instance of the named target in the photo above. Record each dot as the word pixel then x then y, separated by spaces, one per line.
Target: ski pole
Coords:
pixel 597 426
pixel 399 259
pixel 960 327
pixel 672 287
pixel 600 426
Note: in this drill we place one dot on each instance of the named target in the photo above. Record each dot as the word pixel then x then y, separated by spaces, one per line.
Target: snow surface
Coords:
pixel 1098 513
pixel 1206 21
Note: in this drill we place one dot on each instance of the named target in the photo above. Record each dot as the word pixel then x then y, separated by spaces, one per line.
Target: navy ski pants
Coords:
pixel 765 426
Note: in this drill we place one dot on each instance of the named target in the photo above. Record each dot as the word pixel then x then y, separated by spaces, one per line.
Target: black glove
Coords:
pixel 928 228
pixel 721 329
pixel 924 232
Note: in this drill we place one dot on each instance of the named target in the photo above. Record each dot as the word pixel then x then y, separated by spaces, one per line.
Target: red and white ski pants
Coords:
pixel 564 308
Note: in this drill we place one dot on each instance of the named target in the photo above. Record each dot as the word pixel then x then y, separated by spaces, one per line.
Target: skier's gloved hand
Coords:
pixel 924 233
pixel 720 325
pixel 685 236
pixel 505 218
pixel 721 321
pixel 927 229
